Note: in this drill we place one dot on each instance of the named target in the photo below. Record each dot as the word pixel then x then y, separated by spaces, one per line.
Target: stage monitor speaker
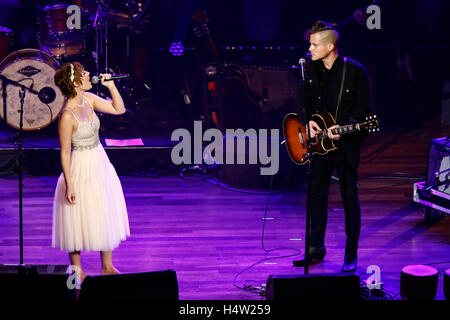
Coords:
pixel 35 282
pixel 146 286
pixel 434 192
pixel 447 284
pixel 438 165
pixel 314 287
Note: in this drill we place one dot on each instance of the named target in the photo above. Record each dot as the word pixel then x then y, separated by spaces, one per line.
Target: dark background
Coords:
pixel 415 28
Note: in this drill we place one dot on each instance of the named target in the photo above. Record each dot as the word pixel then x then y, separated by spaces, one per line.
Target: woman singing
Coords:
pixel 89 211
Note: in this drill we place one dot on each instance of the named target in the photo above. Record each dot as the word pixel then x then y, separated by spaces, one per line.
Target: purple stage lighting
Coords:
pixel 176 48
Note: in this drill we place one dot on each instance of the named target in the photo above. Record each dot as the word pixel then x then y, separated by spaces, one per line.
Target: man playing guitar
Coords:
pixel 338 86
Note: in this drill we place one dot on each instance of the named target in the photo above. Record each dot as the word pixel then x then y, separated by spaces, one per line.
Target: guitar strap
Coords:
pixel 341 89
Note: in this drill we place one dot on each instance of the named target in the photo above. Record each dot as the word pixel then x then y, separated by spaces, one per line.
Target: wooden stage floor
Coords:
pixel 208 234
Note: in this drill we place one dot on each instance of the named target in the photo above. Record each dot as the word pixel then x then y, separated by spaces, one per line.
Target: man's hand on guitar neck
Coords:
pixel 331 135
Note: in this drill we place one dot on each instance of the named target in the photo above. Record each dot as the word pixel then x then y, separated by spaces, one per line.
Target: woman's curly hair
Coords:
pixel 65 81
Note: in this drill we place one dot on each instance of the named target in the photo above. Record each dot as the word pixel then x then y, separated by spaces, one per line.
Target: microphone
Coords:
pixel 302 61
pixel 96 79
pixel 47 95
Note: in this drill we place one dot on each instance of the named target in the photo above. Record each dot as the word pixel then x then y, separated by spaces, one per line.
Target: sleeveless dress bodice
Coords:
pixel 86 136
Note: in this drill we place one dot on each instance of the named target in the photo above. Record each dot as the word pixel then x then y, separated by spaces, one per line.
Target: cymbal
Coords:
pixel 119 18
pixel 111 14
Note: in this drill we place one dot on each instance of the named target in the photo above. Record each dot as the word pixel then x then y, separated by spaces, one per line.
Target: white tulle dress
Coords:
pixel 98 221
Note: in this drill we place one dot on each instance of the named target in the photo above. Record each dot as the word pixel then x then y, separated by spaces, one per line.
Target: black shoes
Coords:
pixel 350 264
pixel 316 255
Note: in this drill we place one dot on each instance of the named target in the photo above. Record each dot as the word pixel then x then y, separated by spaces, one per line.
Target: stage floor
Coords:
pixel 209 234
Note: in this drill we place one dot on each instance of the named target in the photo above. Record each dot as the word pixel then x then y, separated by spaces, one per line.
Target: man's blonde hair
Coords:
pixel 326 32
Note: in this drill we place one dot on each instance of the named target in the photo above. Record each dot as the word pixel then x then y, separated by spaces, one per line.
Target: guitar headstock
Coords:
pixel 372 124
pixel 201 27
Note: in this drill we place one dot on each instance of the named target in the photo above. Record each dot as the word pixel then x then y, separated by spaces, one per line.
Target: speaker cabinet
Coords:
pixel 35 282
pixel 146 286
pixel 314 287
pixel 447 284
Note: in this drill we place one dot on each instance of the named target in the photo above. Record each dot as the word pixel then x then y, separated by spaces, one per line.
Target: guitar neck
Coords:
pixel 341 130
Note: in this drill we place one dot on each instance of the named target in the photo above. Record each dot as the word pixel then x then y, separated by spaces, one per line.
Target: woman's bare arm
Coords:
pixel 65 129
pixel 116 106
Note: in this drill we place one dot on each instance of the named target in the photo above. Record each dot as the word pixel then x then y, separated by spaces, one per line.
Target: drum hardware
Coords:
pixel 101 33
pixel 100 19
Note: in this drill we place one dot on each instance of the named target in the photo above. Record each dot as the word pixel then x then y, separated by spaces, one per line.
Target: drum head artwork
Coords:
pixel 33 69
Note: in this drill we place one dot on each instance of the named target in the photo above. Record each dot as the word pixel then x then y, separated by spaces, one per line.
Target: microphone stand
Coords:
pixel 22 90
pixel 309 176
pixel 22 100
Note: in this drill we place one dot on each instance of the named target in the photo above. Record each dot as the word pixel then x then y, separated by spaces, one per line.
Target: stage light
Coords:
pixel 211 70
pixel 176 48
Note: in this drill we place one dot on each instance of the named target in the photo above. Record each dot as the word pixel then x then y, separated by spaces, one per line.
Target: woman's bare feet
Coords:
pixel 110 270
pixel 79 275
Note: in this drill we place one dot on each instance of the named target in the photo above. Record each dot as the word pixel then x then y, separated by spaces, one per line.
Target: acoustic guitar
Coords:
pixel 297 141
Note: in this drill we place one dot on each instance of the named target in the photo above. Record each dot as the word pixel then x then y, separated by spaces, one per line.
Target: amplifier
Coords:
pixel 435 191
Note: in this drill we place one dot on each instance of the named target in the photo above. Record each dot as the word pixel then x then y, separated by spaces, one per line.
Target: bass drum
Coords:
pixel 34 69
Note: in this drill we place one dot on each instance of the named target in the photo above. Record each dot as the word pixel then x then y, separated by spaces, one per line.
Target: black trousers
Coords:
pixel 346 165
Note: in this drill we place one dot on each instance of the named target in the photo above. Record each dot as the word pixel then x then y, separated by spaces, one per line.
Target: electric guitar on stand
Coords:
pixel 228 86
pixel 296 138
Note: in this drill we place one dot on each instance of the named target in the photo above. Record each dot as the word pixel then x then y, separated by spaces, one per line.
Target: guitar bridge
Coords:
pixel 300 135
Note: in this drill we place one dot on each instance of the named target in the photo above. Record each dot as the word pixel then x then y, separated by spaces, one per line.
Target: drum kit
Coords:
pixel 29 98
pixel 33 70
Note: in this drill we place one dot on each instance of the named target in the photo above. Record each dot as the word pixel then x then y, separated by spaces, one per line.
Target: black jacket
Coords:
pixel 320 94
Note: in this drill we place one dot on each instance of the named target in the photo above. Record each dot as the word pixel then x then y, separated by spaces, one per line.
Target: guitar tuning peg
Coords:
pixel 375 116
